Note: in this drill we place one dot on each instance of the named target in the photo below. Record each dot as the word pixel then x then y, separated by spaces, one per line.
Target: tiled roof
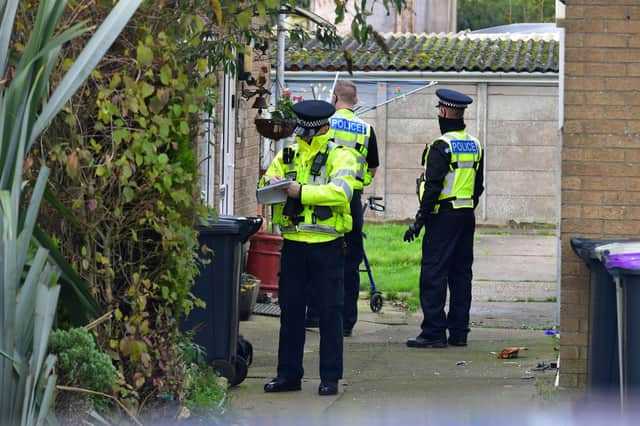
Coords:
pixel 489 53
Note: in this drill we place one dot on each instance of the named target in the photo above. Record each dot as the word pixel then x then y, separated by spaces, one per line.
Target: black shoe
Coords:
pixel 282 385
pixel 421 342
pixel 457 341
pixel 312 323
pixel 328 388
pixel 347 333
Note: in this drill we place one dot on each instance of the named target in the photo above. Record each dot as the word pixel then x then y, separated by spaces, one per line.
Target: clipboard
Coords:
pixel 272 193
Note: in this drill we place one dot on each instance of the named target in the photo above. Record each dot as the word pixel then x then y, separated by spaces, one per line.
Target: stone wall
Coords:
pixel 601 154
pixel 521 150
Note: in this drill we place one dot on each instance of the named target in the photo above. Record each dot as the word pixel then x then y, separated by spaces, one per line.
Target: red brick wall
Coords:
pixel 601 153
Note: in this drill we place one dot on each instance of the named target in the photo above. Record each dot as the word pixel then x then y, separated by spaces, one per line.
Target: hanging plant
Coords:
pixel 282 121
pixel 275 128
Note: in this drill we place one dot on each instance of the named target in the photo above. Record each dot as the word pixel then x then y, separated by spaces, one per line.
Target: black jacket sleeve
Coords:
pixel 372 151
pixel 437 162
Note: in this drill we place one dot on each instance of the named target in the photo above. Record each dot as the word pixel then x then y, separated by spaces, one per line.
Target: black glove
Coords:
pixel 413 232
pixel 414 229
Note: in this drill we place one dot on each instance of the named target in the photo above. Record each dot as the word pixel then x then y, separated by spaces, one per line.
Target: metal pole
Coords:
pixel 621 336
pixel 280 69
pixel 279 144
pixel 363 110
pixel 333 87
pixel 280 64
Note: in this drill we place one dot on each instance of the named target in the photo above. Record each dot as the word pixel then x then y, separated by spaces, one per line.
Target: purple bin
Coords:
pixel 623 261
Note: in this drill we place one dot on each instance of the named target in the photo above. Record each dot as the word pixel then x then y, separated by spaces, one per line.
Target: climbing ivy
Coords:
pixel 124 165
pixel 124 162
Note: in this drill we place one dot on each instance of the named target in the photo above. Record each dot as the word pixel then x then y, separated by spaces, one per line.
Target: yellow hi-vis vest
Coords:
pixel 352 132
pixel 459 183
pixel 325 213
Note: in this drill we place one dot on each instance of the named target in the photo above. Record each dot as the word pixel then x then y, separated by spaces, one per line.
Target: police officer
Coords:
pixel 358 136
pixel 313 222
pixel 448 192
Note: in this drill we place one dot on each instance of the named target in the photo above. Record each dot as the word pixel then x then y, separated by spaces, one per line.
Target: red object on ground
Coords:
pixel 263 261
pixel 507 353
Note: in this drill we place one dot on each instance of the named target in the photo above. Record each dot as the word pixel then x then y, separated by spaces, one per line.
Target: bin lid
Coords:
pixel 622 261
pixel 619 247
pixel 585 248
pixel 240 226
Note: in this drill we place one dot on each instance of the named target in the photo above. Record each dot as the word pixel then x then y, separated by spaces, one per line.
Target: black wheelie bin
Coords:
pixel 622 260
pixel 216 326
pixel 602 365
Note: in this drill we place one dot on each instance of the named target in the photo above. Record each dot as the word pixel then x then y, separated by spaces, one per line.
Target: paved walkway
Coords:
pixel 387 383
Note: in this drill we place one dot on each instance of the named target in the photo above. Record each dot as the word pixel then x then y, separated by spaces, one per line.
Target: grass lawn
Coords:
pixel 395 264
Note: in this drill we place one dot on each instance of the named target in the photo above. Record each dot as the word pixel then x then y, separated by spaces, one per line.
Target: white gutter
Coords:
pixel 562 67
pixel 550 79
pixel 482 116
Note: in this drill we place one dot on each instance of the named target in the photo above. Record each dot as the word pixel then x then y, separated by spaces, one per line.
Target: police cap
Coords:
pixel 452 99
pixel 312 115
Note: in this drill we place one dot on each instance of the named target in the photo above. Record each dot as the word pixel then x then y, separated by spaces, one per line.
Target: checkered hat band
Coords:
pixel 312 124
pixel 452 105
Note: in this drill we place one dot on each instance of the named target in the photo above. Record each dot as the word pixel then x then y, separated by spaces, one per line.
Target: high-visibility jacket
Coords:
pixel 354 133
pixel 324 214
pixel 458 186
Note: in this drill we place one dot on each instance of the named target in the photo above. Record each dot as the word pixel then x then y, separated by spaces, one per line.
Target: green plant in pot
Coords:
pixel 284 108
pixel 282 121
pixel 249 287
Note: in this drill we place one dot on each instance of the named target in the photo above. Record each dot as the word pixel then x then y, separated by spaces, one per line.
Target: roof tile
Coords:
pixel 435 52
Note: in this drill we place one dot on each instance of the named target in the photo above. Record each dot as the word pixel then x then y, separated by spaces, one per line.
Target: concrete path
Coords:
pixel 387 383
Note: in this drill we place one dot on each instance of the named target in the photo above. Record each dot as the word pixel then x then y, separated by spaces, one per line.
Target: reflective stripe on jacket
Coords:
pixel 458 184
pixel 326 194
pixel 352 132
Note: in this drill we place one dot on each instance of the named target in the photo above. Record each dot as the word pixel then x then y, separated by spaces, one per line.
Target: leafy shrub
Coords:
pixel 125 167
pixel 81 363
pixel 204 388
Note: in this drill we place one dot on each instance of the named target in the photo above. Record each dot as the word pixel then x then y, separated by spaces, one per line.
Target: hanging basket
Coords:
pixel 275 128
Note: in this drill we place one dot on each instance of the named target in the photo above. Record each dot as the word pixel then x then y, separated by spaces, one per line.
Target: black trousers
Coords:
pixel 447 257
pixel 353 259
pixel 321 265
pixel 352 262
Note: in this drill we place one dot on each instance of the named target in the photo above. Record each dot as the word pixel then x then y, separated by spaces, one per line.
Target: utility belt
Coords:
pixel 298 222
pixel 454 203
pixel 323 229
pixel 293 207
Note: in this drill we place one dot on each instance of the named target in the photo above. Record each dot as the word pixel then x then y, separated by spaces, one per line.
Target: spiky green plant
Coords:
pixel 28 283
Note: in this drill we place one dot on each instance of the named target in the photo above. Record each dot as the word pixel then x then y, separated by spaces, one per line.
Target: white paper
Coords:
pixel 273 193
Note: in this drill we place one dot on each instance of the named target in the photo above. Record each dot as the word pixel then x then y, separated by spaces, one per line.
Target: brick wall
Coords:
pixel 601 153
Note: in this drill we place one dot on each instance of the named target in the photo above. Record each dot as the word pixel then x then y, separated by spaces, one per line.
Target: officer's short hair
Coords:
pixel 346 90
pixel 454 112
